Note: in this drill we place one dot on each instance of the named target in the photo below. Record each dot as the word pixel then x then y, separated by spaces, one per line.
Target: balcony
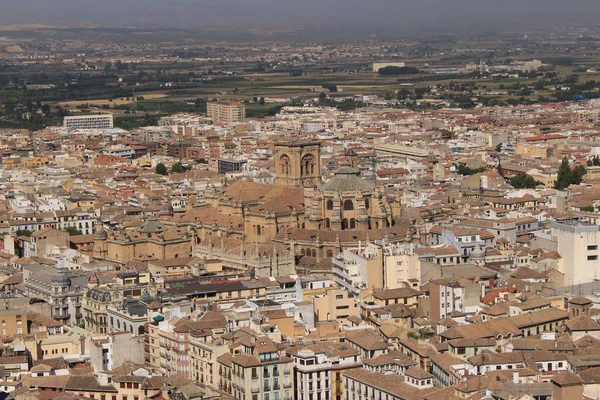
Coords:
pixel 276 386
pixel 287 384
pixel 266 388
pixel 255 389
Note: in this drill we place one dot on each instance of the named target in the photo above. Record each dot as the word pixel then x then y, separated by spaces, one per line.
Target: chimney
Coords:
pixel 515 376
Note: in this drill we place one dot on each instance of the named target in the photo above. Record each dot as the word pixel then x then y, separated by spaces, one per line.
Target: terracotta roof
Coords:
pixel 388 383
pixel 567 378
pixel 367 339
pixel 582 323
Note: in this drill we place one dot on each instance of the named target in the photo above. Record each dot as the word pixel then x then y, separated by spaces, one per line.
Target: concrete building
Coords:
pixel 578 244
pixel 43 242
pixel 319 369
pixel 450 295
pixel 378 65
pixel 113 350
pixel 258 371
pixel 63 290
pixel 226 112
pixel 102 121
pixel 337 305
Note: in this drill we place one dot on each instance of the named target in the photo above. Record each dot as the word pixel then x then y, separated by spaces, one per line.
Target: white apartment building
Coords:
pixel 578 243
pixel 101 121
pixel 226 113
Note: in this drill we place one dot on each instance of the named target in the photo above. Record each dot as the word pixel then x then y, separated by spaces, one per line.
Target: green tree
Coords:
pixel 322 98
pixel 261 101
pixel 500 170
pixel 498 148
pixel 568 176
pixel 161 169
pixel 72 231
pixel 177 168
pixel 577 174
pixel 464 170
pixel 564 175
pixel 523 181
pixel 23 232
pixel 589 208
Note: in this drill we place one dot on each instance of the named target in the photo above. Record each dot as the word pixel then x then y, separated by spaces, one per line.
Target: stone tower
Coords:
pixel 298 163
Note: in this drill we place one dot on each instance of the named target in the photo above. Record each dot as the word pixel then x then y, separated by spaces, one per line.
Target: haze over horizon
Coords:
pixel 273 14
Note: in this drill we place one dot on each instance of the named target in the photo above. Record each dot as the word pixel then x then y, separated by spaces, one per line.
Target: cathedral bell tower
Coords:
pixel 298 163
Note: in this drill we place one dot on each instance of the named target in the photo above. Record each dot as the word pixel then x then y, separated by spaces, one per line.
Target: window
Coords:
pixel 330 204
pixel 592 247
pixel 592 258
pixel 348 205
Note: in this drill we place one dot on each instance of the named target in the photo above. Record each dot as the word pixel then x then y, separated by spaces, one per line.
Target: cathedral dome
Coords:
pixel 347 179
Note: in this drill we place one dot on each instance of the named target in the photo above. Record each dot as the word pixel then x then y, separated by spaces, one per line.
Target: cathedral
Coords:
pixel 345 202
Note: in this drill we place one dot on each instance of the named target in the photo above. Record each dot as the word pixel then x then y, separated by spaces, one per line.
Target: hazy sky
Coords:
pixel 197 13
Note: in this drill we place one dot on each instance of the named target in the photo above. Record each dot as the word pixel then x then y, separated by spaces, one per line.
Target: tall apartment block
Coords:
pixel 226 112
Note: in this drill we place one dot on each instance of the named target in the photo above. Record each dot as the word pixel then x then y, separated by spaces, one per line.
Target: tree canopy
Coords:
pixel 161 169
pixel 568 176
pixel 464 170
pixel 523 181
pixel 177 168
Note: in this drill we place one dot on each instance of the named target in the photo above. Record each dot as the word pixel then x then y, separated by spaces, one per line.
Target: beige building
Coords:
pixel 14 322
pixel 336 305
pixel 204 351
pixel 152 241
pixel 44 241
pixel 375 266
pixel 226 112
pixel 256 370
pixel 378 65
pixel 578 244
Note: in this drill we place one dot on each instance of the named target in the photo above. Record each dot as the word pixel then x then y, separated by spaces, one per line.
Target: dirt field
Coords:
pixel 75 103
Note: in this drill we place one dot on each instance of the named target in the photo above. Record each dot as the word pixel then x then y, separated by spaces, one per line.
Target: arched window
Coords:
pixel 314 253
pixel 344 224
pixel 303 252
pixel 329 253
pixel 307 165
pixel 352 223
pixel 176 255
pixel 327 223
pixel 330 204
pixel 348 205
pixel 258 231
pixel 367 204
pixel 308 252
pixel 284 163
